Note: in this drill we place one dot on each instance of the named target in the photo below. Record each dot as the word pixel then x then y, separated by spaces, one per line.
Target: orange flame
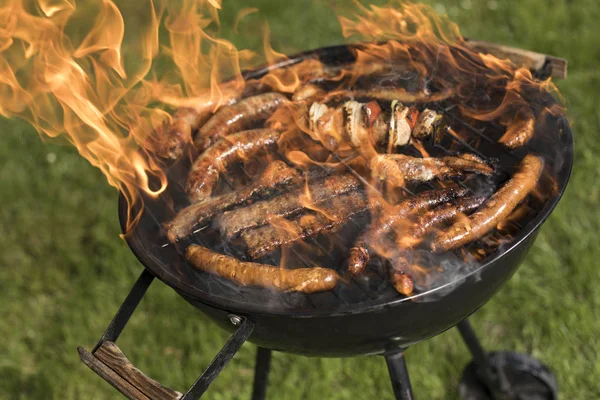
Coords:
pixel 110 103
pixel 99 96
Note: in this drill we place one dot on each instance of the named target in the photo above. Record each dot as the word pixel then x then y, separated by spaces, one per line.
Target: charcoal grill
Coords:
pixel 323 324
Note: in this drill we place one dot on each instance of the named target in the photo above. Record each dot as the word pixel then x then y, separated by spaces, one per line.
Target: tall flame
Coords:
pixel 109 103
pixel 100 97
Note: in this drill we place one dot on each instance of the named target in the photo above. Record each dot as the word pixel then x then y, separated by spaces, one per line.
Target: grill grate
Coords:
pixel 462 136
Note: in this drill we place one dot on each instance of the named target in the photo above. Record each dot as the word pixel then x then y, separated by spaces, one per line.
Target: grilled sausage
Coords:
pixel 308 92
pixel 398 168
pixel 403 282
pixel 381 226
pixel 237 147
pixel 520 131
pixel 275 177
pixel 337 211
pixel 442 215
pixel 307 280
pixel 257 214
pixel 238 117
pixel 171 139
pixel 495 209
pixel 400 94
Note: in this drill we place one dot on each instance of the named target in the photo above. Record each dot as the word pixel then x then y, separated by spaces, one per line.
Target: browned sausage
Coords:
pixel 495 209
pixel 402 281
pixel 442 215
pixel 336 212
pixel 237 147
pixel 232 222
pixel 276 176
pixel 307 280
pixel 401 95
pixel 398 168
pixel 520 131
pixel 308 92
pixel 170 140
pixel 238 117
pixel 381 226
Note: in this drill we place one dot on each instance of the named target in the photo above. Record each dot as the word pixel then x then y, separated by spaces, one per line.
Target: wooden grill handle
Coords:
pixel 542 63
pixel 109 362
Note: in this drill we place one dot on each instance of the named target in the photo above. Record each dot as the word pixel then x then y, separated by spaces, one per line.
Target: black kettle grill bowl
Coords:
pixel 338 329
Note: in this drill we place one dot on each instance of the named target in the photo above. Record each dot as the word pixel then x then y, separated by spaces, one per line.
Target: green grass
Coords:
pixel 64 271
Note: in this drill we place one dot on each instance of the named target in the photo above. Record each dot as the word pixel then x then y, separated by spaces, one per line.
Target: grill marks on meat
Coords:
pixel 275 177
pixel 332 214
pixel 237 147
pixel 238 117
pixel 398 168
pixel 307 280
pixel 257 214
pixel 495 209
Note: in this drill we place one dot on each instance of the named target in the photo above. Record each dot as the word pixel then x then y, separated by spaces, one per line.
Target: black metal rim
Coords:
pixel 345 309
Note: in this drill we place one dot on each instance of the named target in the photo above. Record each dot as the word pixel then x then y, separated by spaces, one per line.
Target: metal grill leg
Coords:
pixel 470 339
pixel 261 373
pixel 137 292
pixel 399 375
pixel 220 361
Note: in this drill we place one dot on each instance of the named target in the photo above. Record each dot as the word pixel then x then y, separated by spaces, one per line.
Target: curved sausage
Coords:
pixel 381 226
pixel 398 168
pixel 238 117
pixel 307 280
pixel 237 147
pixel 520 131
pixel 494 210
pixel 170 140
pixel 401 95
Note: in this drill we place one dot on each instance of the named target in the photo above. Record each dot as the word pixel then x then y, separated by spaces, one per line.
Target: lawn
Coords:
pixel 64 270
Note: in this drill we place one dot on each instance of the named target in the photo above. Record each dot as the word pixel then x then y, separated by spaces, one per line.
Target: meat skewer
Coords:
pixel 267 239
pixel 494 210
pixel 398 168
pixel 237 147
pixel 364 125
pixel 307 280
pixel 275 177
pixel 257 214
pixel 238 117
pixel 381 226
pixel 520 131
